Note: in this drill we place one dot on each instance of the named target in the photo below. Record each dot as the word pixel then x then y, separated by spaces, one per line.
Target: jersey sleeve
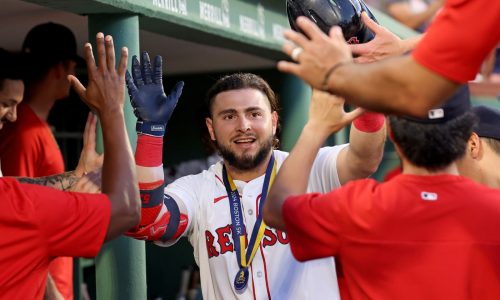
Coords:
pixel 317 223
pixel 183 192
pixel 324 176
pixel 73 224
pixel 460 38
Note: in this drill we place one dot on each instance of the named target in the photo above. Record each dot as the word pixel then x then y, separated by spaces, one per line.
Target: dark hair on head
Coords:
pixel 433 146
pixel 239 81
pixel 11 66
pixel 493 143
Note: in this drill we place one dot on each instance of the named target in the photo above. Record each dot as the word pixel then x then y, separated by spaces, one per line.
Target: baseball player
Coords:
pixel 220 209
pixel 425 234
pixel 40 223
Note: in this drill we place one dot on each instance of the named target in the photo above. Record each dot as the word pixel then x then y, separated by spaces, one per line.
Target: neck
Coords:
pixel 248 175
pixel 490 176
pixel 409 168
pixel 40 101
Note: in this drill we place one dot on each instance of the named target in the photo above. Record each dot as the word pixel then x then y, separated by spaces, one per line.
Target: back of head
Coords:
pixel 327 13
pixel 239 81
pixel 488 126
pixel 12 66
pixel 439 139
pixel 46 45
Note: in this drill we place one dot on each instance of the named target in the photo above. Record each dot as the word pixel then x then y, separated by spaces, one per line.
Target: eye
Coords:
pixel 256 114
pixel 228 117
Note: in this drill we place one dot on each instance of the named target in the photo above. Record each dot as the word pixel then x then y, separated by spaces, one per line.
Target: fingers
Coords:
pixel 122 64
pixel 177 89
pixel 132 89
pixel 157 75
pixel 351 116
pixel 89 58
pixel 289 67
pixel 86 130
pixel 92 131
pixel 336 34
pixel 309 28
pixel 147 73
pixel 110 52
pixel 101 52
pixel 297 39
pixel 136 72
pixel 78 87
pixel 372 25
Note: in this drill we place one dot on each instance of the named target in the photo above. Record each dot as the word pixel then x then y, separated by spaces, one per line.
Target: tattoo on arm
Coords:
pixel 61 182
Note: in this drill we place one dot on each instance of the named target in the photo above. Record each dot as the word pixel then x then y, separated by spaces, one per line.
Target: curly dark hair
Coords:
pixel 433 146
pixel 238 81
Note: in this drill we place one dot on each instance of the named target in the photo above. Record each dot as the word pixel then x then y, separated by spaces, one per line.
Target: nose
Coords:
pixel 244 124
pixel 12 114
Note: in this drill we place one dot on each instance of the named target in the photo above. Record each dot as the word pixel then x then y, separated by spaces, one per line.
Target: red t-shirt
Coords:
pixel 38 223
pixel 414 237
pixel 28 149
pixel 460 38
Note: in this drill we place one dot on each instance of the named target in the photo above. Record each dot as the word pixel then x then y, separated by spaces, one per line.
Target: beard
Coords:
pixel 246 162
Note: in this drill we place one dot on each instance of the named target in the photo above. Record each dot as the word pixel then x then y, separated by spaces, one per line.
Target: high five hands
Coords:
pixel 151 105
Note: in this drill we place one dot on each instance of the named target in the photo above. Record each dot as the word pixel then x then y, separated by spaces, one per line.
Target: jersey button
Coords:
pixel 250 212
pixel 259 274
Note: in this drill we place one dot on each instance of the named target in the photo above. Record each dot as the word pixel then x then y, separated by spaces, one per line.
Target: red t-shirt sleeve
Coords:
pixel 460 38
pixel 73 224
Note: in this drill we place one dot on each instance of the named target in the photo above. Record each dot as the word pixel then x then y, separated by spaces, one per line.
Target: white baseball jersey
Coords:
pixel 274 273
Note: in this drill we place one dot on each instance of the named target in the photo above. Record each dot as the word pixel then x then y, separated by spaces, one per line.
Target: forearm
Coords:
pixel 51 291
pixel 410 43
pixel 415 20
pixel 293 175
pixel 397 85
pixel 63 182
pixel 365 151
pixel 118 168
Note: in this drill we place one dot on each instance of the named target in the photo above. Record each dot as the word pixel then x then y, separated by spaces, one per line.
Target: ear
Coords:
pixel 474 146
pixel 274 119
pixel 210 128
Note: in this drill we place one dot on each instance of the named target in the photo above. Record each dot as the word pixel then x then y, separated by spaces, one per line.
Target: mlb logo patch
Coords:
pixel 429 196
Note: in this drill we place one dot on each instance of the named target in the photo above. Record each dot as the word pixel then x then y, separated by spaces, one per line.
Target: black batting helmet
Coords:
pixel 328 13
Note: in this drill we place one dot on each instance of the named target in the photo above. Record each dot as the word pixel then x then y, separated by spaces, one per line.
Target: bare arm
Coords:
pixel 105 95
pixel 402 12
pixel 396 85
pixel 363 155
pixel 61 182
pixel 51 291
pixel 326 116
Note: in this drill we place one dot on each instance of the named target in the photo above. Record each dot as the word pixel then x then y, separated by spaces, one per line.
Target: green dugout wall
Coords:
pixel 247 26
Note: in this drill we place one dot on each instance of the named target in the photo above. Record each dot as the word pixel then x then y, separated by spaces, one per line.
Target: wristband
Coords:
pixel 148 152
pixel 150 128
pixel 324 84
pixel 369 122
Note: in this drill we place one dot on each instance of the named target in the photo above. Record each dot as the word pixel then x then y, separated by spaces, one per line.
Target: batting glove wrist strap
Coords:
pixel 150 128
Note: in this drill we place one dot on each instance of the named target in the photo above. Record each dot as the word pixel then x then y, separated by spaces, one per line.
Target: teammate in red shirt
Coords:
pixel 426 234
pixel 450 53
pixel 39 223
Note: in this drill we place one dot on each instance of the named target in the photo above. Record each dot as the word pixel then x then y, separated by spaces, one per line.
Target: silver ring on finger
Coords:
pixel 296 53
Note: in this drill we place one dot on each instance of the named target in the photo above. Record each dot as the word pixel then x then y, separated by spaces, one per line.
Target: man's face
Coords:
pixel 243 127
pixel 11 95
pixel 67 68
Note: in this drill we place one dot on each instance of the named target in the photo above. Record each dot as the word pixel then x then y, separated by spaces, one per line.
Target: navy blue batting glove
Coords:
pixel 151 106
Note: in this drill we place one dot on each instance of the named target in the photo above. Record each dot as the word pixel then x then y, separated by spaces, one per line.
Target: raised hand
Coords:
pixel 90 160
pixel 105 89
pixel 327 114
pixel 145 88
pixel 385 43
